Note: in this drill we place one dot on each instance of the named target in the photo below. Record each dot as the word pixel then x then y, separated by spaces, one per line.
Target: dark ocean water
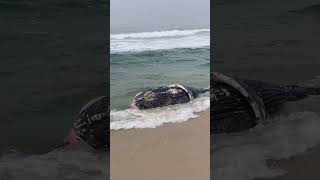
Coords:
pixel 11 5
pixel 273 41
pixel 53 61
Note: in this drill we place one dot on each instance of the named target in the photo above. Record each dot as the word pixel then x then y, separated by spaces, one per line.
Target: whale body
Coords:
pixel 240 104
pixel 235 105
pixel 165 96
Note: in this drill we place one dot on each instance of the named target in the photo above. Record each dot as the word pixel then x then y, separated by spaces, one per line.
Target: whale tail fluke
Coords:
pixel 204 90
pixel 295 92
pixel 313 90
pixel 197 91
pixel 312 86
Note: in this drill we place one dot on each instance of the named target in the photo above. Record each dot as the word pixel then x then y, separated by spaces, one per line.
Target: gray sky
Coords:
pixel 148 15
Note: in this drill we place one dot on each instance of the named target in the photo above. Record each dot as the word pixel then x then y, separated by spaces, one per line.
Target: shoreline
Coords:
pixel 301 166
pixel 171 151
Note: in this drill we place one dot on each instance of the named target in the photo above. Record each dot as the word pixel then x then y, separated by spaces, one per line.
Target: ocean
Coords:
pixel 276 42
pixel 53 61
pixel 142 60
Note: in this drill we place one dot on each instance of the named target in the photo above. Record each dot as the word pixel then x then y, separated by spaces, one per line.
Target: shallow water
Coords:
pixel 151 59
pixel 132 118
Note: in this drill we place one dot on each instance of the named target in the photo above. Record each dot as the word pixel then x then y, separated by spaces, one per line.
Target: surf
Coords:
pixel 152 118
pixel 294 131
pixel 159 40
pixel 58 164
pixel 154 34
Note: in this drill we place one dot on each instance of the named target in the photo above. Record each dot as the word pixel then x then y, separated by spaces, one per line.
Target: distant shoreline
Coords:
pixel 302 166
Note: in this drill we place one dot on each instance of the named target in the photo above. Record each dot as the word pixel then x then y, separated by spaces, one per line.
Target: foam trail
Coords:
pixel 243 156
pixel 157 34
pixel 131 118
pixel 159 40
pixel 55 165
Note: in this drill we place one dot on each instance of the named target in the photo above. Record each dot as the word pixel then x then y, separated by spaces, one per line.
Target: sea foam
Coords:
pixel 132 118
pixel 159 40
pixel 77 164
pixel 244 156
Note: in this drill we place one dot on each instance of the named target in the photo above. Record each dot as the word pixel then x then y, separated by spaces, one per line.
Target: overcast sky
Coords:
pixel 148 15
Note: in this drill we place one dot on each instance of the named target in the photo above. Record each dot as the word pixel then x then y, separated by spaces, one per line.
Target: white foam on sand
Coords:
pixel 55 165
pixel 243 156
pixel 132 118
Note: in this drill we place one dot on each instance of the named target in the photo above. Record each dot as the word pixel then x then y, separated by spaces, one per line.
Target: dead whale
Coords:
pixel 165 96
pixel 236 105
pixel 91 125
pixel 240 104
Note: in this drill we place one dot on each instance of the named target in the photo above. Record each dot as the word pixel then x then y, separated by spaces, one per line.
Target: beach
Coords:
pixel 171 151
pixel 168 142
pixel 294 171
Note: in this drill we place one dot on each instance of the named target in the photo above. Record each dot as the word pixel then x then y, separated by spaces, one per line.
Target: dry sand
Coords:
pixel 301 167
pixel 174 151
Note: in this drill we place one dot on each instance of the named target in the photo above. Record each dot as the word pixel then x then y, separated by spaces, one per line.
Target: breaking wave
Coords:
pixel 132 118
pixel 159 40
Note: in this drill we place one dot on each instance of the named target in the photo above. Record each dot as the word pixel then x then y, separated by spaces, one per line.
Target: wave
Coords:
pixel 244 156
pixel 159 40
pixel 312 10
pixel 63 165
pixel 158 34
pixel 131 118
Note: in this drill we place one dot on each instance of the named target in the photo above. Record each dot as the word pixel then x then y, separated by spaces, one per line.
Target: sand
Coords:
pixel 304 166
pixel 172 151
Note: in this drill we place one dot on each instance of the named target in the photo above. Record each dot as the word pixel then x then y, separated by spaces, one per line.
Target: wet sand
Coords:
pixel 304 166
pixel 172 151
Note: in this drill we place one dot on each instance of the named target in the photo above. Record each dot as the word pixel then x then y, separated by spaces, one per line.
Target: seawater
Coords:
pixel 144 60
